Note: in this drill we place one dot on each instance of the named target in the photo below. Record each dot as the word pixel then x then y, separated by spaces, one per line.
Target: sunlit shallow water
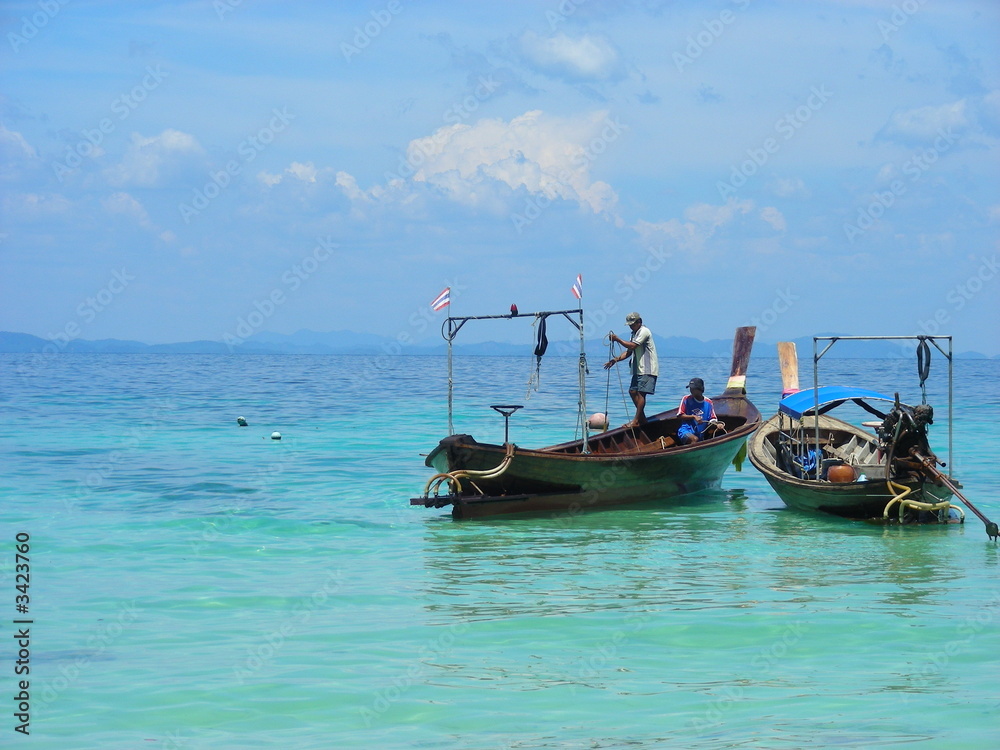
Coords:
pixel 198 585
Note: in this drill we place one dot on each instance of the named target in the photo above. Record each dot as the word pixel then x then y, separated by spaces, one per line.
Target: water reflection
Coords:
pixel 721 549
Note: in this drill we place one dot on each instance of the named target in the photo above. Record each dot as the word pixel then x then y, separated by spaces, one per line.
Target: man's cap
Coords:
pixel 696 383
pixel 632 317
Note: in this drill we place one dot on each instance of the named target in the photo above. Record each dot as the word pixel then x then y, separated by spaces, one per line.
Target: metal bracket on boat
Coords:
pixel 506 410
pixel 454 480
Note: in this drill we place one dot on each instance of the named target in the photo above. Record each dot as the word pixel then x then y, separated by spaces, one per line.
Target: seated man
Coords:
pixel 697 413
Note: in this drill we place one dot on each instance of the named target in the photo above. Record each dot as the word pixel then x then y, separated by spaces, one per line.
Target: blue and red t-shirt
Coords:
pixel 703 409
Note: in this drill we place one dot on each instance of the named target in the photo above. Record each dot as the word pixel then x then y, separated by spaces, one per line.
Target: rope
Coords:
pixel 621 386
pixel 541 344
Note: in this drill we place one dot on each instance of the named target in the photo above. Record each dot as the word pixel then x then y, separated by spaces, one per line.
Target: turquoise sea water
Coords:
pixel 198 585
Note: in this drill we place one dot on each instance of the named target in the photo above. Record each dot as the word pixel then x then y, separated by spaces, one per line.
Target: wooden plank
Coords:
pixel 742 346
pixel 789 362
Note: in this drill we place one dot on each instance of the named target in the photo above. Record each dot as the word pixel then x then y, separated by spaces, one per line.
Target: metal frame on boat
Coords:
pixel 620 466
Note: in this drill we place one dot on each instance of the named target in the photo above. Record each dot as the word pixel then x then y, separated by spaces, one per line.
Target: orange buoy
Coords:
pixel 841 474
pixel 598 421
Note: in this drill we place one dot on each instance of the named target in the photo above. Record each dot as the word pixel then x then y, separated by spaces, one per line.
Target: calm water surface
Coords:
pixel 198 585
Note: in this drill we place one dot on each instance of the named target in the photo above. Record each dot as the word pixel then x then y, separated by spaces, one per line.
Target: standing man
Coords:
pixel 645 366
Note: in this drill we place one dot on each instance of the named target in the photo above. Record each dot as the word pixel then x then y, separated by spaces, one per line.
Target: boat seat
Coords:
pixel 863 454
pixel 841 453
pixel 659 444
pixel 770 450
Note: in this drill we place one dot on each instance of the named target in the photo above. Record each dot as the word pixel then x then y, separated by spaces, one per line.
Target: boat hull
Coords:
pixel 858 500
pixel 865 499
pixel 565 479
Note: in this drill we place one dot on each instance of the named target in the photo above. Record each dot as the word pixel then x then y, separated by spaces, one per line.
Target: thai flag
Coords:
pixel 578 287
pixel 442 300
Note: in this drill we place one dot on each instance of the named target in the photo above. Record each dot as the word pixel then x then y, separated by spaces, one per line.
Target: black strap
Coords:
pixel 923 361
pixel 541 340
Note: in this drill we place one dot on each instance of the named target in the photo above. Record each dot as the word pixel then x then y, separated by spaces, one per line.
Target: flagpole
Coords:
pixel 577 290
pixel 451 428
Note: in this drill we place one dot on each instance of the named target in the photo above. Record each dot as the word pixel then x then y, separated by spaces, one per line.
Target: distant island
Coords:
pixel 350 342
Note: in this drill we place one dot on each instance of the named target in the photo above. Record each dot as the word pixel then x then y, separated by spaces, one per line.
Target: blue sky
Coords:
pixel 197 170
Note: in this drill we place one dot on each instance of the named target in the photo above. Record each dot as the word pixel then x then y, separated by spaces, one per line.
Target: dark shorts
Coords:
pixel 644 384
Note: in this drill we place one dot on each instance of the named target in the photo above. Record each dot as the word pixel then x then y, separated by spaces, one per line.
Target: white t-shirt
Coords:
pixel 644 361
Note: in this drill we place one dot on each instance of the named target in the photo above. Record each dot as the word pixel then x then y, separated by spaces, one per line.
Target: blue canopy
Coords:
pixel 804 402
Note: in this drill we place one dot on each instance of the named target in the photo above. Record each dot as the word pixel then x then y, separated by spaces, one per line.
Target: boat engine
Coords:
pixel 904 432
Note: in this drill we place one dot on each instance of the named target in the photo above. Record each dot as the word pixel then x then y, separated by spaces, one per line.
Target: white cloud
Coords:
pixel 587 58
pixel 13 146
pixel 35 205
pixel 540 153
pixel 269 179
pixel 988 112
pixel 146 159
pixel 924 123
pixel 349 185
pixel 702 220
pixel 787 187
pixel 124 204
pixel 305 172
pixel 773 217
pixel 972 118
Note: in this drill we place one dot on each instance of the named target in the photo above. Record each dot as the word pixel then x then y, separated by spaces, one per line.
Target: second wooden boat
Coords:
pixel 817 462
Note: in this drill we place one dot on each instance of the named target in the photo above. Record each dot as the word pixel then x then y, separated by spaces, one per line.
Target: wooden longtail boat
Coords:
pixel 816 462
pixel 621 466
